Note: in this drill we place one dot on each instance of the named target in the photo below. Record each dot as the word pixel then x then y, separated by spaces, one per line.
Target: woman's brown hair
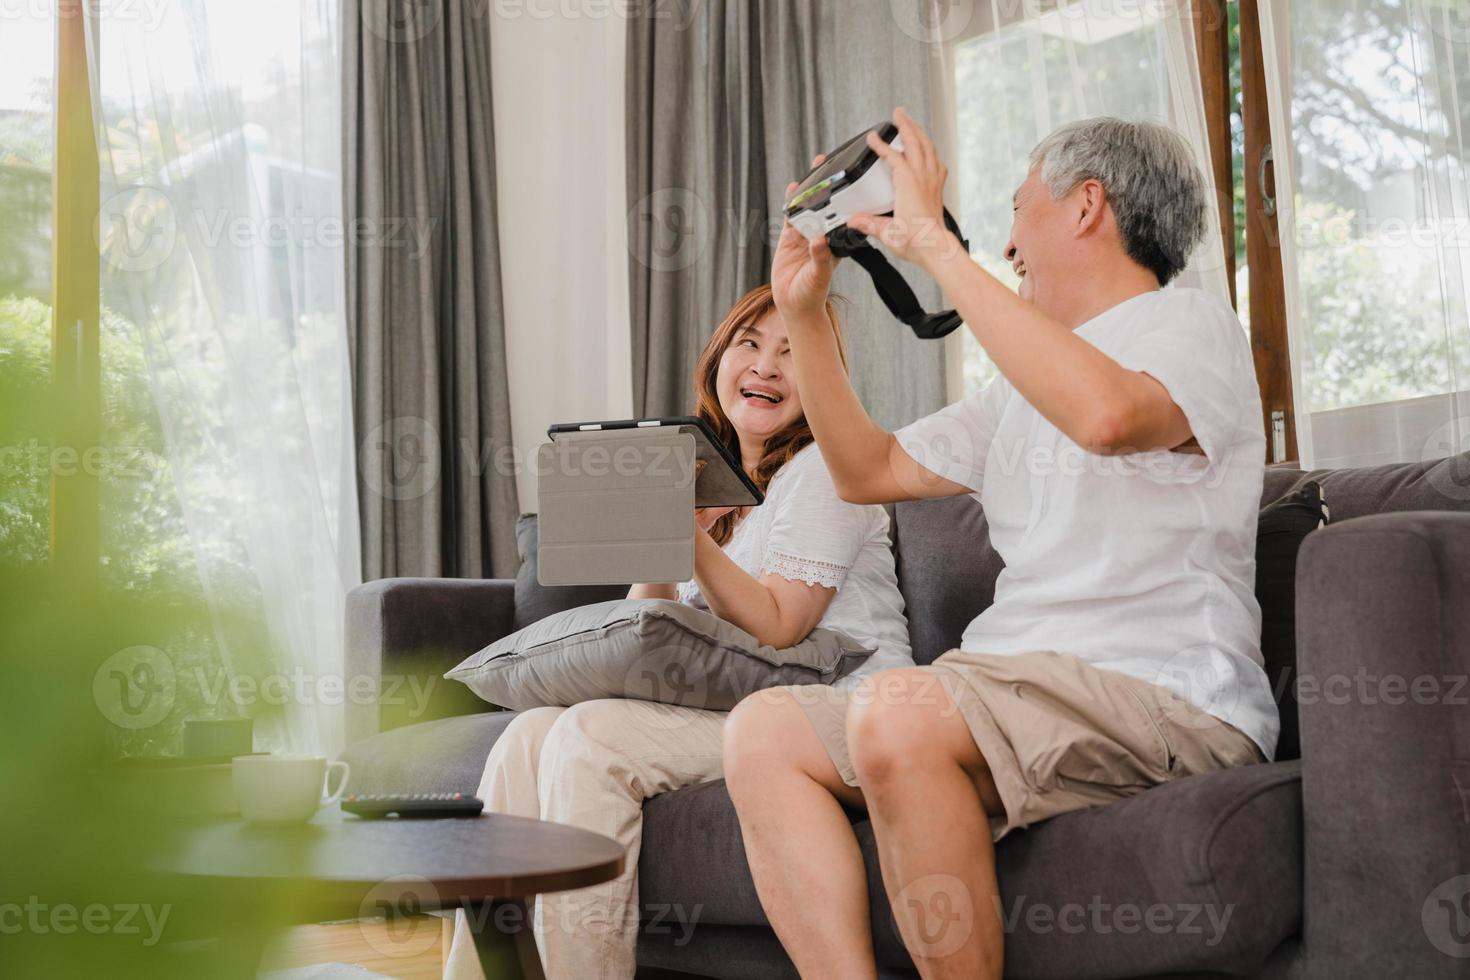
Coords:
pixel 782 446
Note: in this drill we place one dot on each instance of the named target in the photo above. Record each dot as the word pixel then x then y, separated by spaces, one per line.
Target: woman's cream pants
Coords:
pixel 592 766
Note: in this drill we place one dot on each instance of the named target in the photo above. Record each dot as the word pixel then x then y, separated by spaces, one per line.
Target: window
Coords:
pixel 1379 114
pixel 1022 70
pixel 1341 130
pixel 180 387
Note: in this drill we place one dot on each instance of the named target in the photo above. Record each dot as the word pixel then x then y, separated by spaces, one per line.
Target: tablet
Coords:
pixel 721 482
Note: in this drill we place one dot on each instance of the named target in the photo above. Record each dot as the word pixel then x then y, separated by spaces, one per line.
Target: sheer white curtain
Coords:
pixel 221 232
pixel 1370 114
pixel 1024 67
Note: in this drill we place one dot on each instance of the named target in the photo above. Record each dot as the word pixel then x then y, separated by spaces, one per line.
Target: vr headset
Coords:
pixel 853 179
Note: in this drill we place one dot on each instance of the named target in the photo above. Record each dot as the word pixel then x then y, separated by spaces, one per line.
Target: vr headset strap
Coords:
pixel 892 288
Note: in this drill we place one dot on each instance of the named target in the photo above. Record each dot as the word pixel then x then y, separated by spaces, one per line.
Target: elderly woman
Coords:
pixel 804 558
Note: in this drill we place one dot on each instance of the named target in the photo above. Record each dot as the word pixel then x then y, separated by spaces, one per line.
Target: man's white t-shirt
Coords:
pixel 1141 563
pixel 804 532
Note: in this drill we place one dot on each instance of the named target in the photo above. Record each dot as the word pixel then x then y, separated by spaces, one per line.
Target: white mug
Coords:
pixel 284 788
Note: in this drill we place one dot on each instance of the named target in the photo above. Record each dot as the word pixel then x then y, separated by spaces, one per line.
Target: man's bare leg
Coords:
pixel 928 791
pixel 803 854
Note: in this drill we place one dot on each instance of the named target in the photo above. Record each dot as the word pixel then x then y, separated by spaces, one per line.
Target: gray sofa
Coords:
pixel 1318 867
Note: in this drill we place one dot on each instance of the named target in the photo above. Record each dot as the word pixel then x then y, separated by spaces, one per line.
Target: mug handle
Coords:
pixel 341 786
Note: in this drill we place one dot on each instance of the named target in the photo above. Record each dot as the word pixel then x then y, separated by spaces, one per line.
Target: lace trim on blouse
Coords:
pixel 803 570
pixel 689 594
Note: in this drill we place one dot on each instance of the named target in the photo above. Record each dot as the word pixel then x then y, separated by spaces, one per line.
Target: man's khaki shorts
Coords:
pixel 1057 733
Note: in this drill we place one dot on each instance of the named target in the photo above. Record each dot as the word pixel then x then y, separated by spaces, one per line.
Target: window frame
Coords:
pixel 76 362
pixel 1270 344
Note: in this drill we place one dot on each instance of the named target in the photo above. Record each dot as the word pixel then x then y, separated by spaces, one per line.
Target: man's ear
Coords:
pixel 1093 200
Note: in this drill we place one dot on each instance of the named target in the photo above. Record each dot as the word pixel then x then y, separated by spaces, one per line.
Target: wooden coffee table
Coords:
pixel 338 866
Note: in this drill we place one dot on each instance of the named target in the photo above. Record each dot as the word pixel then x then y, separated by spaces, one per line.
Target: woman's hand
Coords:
pixel 801 272
pixel 916 230
pixel 705 517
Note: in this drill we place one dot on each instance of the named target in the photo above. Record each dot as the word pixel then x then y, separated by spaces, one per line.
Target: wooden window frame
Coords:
pixel 76 356
pixel 1267 303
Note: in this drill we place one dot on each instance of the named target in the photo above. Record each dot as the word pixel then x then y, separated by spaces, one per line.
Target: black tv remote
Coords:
pixel 374 806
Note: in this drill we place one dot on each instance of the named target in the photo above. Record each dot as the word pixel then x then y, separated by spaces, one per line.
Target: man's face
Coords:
pixel 1041 237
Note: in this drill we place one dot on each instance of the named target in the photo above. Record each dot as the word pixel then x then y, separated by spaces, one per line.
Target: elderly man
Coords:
pixel 1119 459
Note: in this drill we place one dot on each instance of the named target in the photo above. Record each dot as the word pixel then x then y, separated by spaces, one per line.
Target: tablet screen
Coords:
pixel 721 481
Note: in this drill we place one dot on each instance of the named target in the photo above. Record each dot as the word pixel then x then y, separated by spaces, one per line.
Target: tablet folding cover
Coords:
pixel 616 506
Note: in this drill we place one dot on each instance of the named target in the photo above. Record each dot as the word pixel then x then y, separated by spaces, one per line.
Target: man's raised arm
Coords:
pixel 867 464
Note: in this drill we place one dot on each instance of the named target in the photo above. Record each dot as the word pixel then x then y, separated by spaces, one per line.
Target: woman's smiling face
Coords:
pixel 756 384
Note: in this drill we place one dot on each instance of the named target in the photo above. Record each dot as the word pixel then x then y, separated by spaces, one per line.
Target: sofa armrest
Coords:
pixel 404 633
pixel 1383 649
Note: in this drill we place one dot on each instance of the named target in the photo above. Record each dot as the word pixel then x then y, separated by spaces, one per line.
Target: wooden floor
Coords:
pixel 408 949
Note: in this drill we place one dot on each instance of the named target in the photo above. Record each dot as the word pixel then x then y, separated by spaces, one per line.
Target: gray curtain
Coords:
pixel 430 392
pixel 727 102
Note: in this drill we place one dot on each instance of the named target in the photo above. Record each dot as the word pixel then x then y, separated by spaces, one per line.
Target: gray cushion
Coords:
pixel 946 570
pixel 1442 484
pixel 650 649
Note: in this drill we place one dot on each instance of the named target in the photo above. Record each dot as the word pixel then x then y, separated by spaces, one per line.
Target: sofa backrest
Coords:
pixel 947 567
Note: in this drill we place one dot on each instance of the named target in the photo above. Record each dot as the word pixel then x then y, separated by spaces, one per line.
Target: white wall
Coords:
pixel 560 171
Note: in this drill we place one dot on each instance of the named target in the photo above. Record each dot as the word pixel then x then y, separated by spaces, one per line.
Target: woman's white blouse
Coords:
pixel 804 532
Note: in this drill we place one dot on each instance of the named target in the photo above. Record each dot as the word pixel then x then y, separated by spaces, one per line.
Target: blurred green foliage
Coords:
pixel 146 551
pixel 85 832
pixel 79 893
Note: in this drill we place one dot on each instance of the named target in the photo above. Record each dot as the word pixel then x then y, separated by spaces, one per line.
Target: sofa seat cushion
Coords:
pixel 444 756
pixel 1203 874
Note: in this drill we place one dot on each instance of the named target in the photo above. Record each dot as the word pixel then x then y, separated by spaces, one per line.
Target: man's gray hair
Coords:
pixel 1147 170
